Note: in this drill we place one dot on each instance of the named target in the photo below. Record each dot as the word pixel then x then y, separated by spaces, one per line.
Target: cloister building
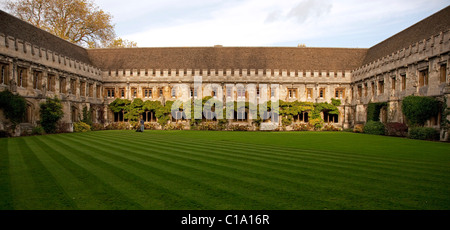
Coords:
pixel 37 65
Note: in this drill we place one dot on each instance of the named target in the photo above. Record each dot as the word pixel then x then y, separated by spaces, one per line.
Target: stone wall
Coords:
pixel 36 73
pixel 421 69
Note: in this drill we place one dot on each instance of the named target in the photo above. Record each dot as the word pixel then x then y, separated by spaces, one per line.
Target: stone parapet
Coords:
pixel 25 51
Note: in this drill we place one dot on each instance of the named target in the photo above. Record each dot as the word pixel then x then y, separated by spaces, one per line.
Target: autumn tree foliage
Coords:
pixel 78 21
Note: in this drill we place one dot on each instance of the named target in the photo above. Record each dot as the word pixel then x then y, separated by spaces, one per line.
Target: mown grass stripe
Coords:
pixel 304 155
pixel 294 153
pixel 197 174
pixel 274 147
pixel 278 180
pixel 171 171
pixel 88 174
pixel 338 155
pixel 202 173
pixel 46 186
pixel 340 169
pixel 199 179
pixel 6 197
pixel 331 142
pixel 149 194
pixel 22 182
pixel 75 189
pixel 314 159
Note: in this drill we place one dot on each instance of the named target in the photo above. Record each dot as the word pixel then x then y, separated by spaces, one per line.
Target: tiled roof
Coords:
pixel 289 58
pixel 12 26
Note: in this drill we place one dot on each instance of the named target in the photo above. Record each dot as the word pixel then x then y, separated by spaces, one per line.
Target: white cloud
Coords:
pixel 309 9
pixel 264 23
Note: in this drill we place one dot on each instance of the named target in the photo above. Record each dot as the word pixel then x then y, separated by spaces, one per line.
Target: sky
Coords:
pixel 315 23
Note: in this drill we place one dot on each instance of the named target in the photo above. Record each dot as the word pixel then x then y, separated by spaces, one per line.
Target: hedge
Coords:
pixel 81 127
pixel 396 129
pixel 423 133
pixel 374 127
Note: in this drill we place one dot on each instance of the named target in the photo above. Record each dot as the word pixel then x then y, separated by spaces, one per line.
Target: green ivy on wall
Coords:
pixel 287 110
pixel 373 110
pixel 418 109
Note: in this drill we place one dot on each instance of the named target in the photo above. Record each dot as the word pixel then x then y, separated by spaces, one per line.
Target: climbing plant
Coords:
pixel 418 109
pixel 335 102
pixel 119 105
pixel 87 118
pixel 163 113
pixel 134 110
pixel 373 110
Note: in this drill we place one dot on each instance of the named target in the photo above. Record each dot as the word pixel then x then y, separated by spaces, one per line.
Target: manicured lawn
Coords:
pixel 223 170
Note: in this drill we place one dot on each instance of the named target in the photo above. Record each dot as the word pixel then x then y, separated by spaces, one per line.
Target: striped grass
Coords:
pixel 167 170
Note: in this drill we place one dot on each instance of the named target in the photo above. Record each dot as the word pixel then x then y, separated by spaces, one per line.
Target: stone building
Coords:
pixel 36 65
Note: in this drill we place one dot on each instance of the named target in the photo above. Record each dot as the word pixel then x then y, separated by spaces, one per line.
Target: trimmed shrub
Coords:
pixel 37 130
pixel 302 127
pixel 150 126
pixel 359 128
pixel 374 127
pixel 423 133
pixel 223 123
pixel 211 126
pixel 348 130
pixel 118 126
pixel 135 125
pixel 97 127
pixel 81 127
pixel 330 128
pixel 174 126
pixel 396 129
pixel 239 127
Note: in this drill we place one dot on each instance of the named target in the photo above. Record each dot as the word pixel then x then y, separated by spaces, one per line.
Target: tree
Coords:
pixel 51 113
pixel 78 21
pixel 120 43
